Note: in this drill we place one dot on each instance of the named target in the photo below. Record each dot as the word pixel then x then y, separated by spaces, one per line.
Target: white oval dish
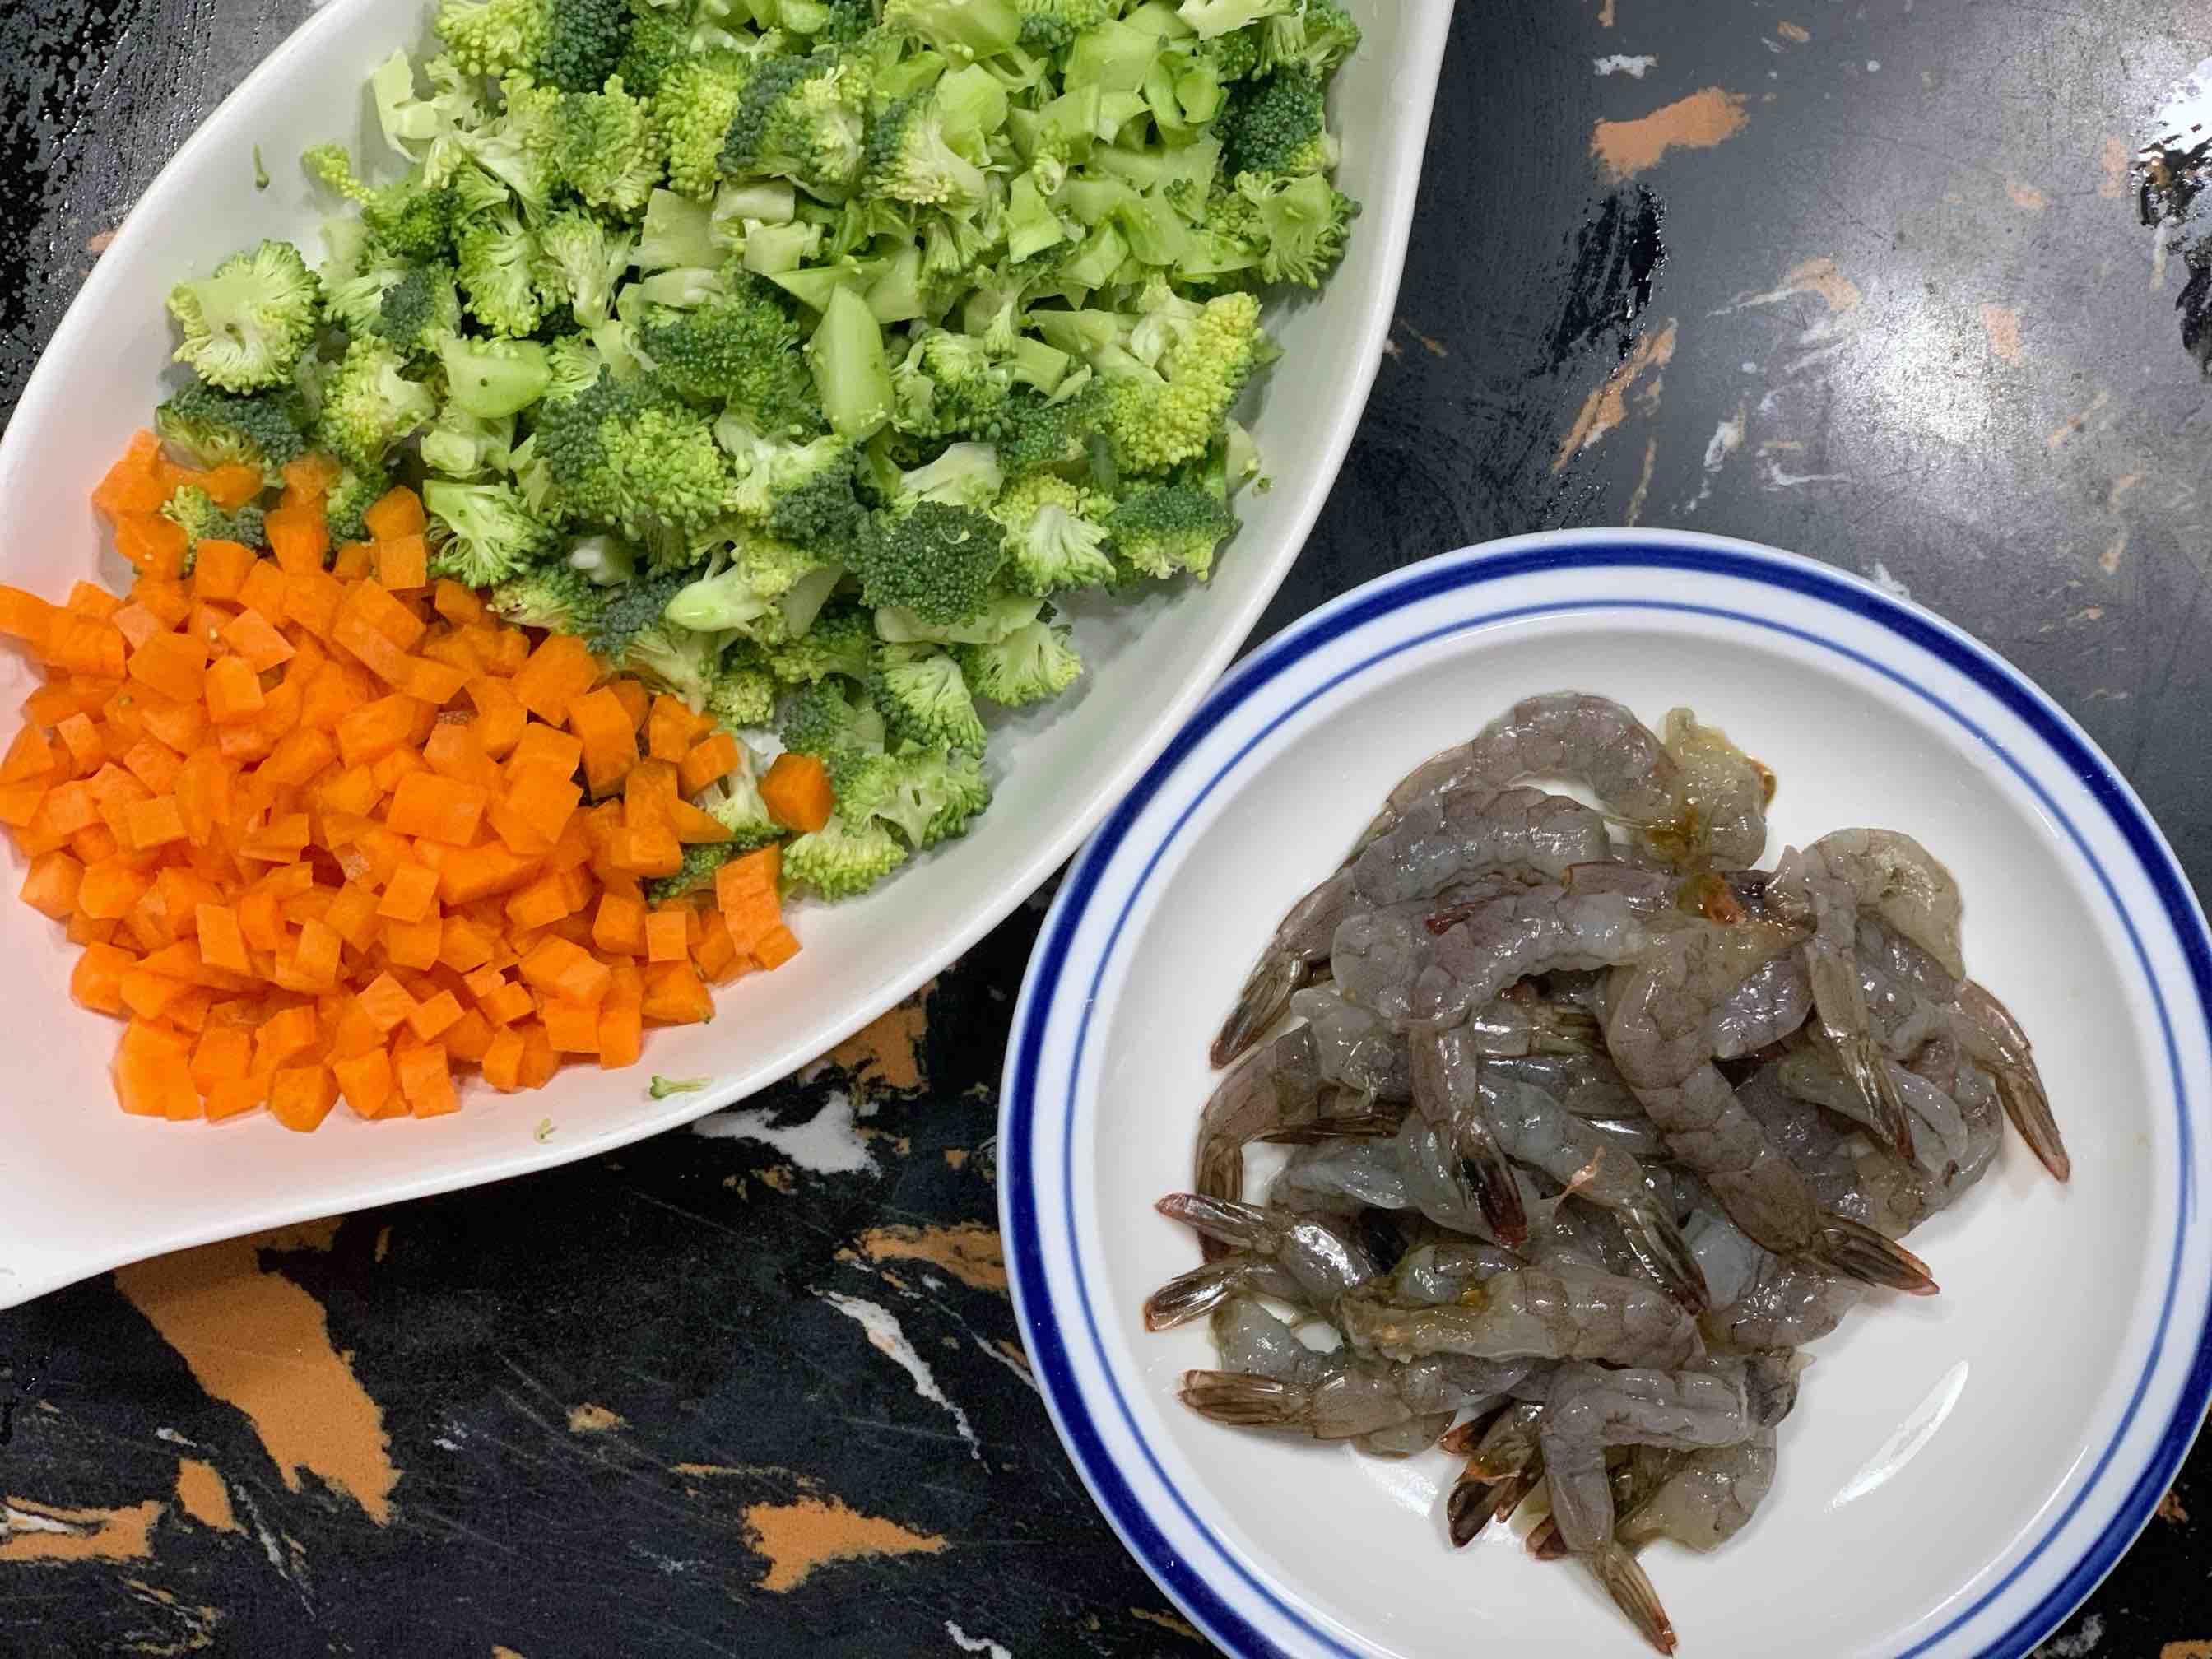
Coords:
pixel 1961 1470
pixel 89 1189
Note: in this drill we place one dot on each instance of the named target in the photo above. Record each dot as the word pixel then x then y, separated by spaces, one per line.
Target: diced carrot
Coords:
pixel 426 1080
pixel 222 945
pixel 457 602
pixel 164 597
pixel 367 604
pixel 502 1061
pixel 571 1027
pixel 413 944
pixel 153 1073
pixel 234 1097
pixel 222 1052
pixel 797 793
pixel 540 904
pixel 557 672
pixel 668 935
pixel 500 716
pixel 671 729
pixel 748 875
pixel 309 479
pixel 50 884
pixel 257 640
pixel 693 826
pixel 620 926
pixel 634 698
pixel 365 1080
pixel 476 872
pixel 649 794
pixel 138 624
pixel 29 756
pixel 609 739
pixel 435 682
pixel 264 589
pixel 233 690
pixel 397 512
pixel 468 1038
pixel 316 955
pixel 111 887
pixel 300 1097
pixel 402 562
pixel 354 561
pixel 410 894
pixel 431 1018
pixel 181 726
pixel 27 617
pixel 511 1001
pixel 711 758
pixel 299 537
pixel 622 1036
pixel 675 995
pixel 96 981
pixel 154 822
pixel 220 569
pixel 299 757
pixel 386 1002
pixel 462 945
pixel 375 729
pixel 562 970
pixel 172 664
pixel 155 546
pixel 425 803
pixel 132 485
pixel 776 947
pixel 454 752
pixel 716 952
pixel 312 598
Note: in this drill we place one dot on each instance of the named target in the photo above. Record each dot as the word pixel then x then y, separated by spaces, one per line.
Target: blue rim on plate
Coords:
pixel 1468 572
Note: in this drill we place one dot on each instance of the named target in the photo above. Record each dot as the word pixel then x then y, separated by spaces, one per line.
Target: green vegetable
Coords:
pixel 661 1087
pixel 203 520
pixel 247 325
pixel 481 533
pixel 217 429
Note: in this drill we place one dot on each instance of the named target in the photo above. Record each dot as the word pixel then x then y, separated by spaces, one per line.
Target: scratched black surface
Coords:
pixel 1948 157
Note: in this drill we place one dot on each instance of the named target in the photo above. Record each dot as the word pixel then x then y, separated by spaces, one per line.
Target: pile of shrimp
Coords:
pixel 1594 1125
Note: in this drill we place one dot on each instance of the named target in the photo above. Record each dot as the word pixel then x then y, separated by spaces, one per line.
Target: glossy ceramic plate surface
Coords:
pixel 1960 1470
pixel 87 1189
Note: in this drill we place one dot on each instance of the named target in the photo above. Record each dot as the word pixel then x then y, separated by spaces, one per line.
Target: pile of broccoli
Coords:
pixel 800 354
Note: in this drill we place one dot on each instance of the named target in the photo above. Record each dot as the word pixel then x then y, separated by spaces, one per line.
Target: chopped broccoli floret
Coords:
pixel 1294 228
pixel 802 118
pixel 628 456
pixel 490 379
pixel 965 474
pixel 410 222
pixel 369 405
pixel 838 861
pixel 630 610
pixel 501 266
pixel 551 596
pixel 602 144
pixel 950 384
pixel 768 587
pixel 1056 535
pixel 247 325
pixel 203 521
pixel 573 44
pixel 744 697
pixel 1029 666
pixel 585 258
pixel 1171 528
pixel 481 533
pixel 923 698
pixel 1053 25
pixel 1040 432
pixel 217 429
pixel 1167 393
pixel 740 351
pixel 828 717
pixel 459 445
pixel 926 791
pixel 349 499
pixel 909 158
pixel 1274 124
pixel 962 29
pixel 696 102
pixel 842 640
pixel 931 559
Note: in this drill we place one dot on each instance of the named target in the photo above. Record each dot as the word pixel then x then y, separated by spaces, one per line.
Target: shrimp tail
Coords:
pixel 1660 1248
pixel 1200 1290
pixel 1514 1489
pixel 1893 1123
pixel 1372 1125
pixel 2029 1109
pixel 1462 1441
pixel 1545 1543
pixel 1495 1189
pixel 1858 1252
pixel 1468 1508
pixel 1624 1579
pixel 1265 993
pixel 1235 1224
pixel 1242 1400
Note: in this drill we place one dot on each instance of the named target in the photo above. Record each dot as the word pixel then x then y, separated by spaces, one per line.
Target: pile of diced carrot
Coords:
pixel 325 828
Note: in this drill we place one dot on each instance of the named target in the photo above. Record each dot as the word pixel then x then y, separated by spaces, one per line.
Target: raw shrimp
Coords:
pixel 1591 741
pixel 1828 884
pixel 1939 1129
pixel 1343 1395
pixel 1206 1287
pixel 1544 928
pixel 1565 1315
pixel 1721 797
pixel 1319 1257
pixel 1248 1338
pixel 1763 1301
pixel 1592 1408
pixel 1658 1023
pixel 1448 1097
pixel 1706 1497
pixel 1763 1009
pixel 1992 1037
pixel 1534 1129
pixel 1378 955
pixel 1463 837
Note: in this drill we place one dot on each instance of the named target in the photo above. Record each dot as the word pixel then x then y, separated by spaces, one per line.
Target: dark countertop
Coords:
pixel 720 1395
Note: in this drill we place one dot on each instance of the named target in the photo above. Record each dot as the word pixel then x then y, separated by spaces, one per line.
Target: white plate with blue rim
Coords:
pixel 1961 1470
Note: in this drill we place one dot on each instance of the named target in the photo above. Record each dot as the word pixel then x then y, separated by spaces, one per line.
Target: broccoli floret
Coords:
pixel 910 159
pixel 602 142
pixel 1210 18
pixel 1171 527
pixel 573 44
pixel 573 365
pixel 962 30
pixel 247 325
pixel 1029 666
pixel 549 596
pixel 799 492
pixel 827 19
pixel 842 640
pixel 1002 614
pixel 501 266
pixel 659 44
pixel 419 309
pixel 1160 416
pixel 1298 225
pixel 410 222
pixel 1055 534
pixel 584 259
pixel 736 803
pixel 631 610
pixel 217 428
pixel 203 521
pixel 1274 124
pixel 677 660
pixel 481 533
pixel 802 118
pixel 628 456
pixel 1318 35
pixel 770 588
pixel 369 406
pixel 741 351
pixel 1053 25
pixel 661 1087
pixel 742 696
pixel 696 102
pixel 923 698
pixel 701 860
pixel 1055 432
pixel 840 862
pixel 950 384
pixel 926 791
pixel 931 559
pixel 349 499
pixel 964 475
pixel 827 717
pixel 851 375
